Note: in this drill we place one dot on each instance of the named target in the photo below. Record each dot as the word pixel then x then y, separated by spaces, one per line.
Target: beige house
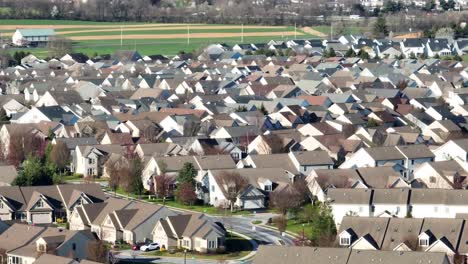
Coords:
pixel 131 224
pixel 193 232
pixel 24 243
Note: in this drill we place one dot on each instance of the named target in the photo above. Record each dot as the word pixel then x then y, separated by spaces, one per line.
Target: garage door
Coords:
pixel 253 204
pixel 41 218
pixel 5 217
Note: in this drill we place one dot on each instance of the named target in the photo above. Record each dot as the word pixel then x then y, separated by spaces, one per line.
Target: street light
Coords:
pixel 303 238
pixel 185 256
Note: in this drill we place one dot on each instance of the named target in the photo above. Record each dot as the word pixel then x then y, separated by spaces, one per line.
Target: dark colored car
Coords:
pixel 138 245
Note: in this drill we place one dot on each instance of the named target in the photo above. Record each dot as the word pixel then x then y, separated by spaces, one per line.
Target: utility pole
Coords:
pixel 121 36
pixel 295 30
pixel 242 33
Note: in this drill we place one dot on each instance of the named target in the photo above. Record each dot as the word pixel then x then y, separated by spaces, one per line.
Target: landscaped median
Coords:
pixel 238 247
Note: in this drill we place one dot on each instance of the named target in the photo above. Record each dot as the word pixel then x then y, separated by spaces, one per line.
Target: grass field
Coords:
pixel 152 38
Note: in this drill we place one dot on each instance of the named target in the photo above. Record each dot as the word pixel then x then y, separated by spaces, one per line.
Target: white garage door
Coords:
pixel 5 217
pixel 41 218
pixel 253 204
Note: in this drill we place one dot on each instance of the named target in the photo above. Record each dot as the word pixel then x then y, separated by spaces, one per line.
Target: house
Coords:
pixel 449 174
pixel 392 202
pixel 33 37
pixel 363 233
pixel 302 255
pixel 88 160
pixel 346 202
pixel 25 243
pixel 90 216
pixel 401 158
pixel 453 149
pixel 133 223
pixel 321 181
pixel 45 204
pixel 194 232
pixel 438 203
pixel 260 183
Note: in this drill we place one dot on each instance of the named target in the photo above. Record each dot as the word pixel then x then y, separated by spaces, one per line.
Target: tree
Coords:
pixel 285 199
pixel 163 182
pixel 60 155
pixel 233 184
pixel 363 54
pixel 34 172
pixel 97 251
pixel 135 175
pixel 185 193
pixel 323 227
pixel 59 46
pixel 187 174
pixel 380 27
pixel 151 133
pixel 271 144
pixel 350 53
pixel 22 144
pixel 117 169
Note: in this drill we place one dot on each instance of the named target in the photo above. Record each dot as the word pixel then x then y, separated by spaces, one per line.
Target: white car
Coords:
pixel 150 247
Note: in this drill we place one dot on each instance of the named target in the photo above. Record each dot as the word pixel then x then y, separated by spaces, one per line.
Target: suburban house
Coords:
pixel 45 204
pixel 304 255
pixel 25 243
pixel 132 223
pixel 194 232
pixel 402 158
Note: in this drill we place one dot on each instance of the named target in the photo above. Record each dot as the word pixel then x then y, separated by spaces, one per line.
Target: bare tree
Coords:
pixel 59 46
pixel 285 199
pixel 117 169
pixel 60 155
pixel 22 144
pixel 97 251
pixel 233 184
pixel 271 144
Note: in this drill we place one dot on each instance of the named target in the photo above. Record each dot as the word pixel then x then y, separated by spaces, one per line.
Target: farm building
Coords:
pixel 33 37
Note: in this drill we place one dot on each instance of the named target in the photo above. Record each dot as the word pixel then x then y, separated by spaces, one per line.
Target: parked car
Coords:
pixel 138 245
pixel 150 247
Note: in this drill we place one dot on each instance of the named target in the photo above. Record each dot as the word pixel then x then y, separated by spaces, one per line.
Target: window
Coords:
pixel 212 188
pixel 1 205
pixel 73 246
pixel 423 242
pixel 40 204
pixel 268 188
pixel 345 241
pixel 91 161
pixel 16 260
pixel 412 162
pixel 211 244
pixel 186 243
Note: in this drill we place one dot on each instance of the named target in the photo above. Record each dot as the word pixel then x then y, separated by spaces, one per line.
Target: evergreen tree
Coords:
pixel 187 174
pixel 380 28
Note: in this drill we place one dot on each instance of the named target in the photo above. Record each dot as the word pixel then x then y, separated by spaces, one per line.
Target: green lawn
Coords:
pixel 175 31
pixel 236 247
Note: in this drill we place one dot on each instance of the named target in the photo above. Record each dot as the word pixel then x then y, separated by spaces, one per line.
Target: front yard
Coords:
pixel 236 247
pixel 206 209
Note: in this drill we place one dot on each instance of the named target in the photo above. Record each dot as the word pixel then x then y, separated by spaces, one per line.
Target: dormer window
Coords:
pixel 423 242
pixel 345 241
